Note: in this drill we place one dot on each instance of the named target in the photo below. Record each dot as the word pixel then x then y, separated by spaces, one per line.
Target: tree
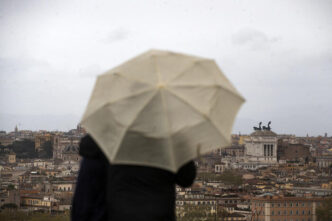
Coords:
pixel 9 206
pixel 197 212
pixel 223 214
pixel 10 215
pixel 10 187
pixel 3 150
pixel 47 150
pixel 24 148
pixel 324 212
pixel 231 178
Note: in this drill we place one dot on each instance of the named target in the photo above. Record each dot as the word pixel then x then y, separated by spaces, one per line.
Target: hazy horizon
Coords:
pixel 68 122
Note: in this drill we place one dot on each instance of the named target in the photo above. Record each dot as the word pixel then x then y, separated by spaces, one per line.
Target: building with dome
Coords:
pixel 71 153
pixel 61 142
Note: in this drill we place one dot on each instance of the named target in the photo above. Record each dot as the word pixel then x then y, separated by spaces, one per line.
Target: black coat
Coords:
pixel 125 192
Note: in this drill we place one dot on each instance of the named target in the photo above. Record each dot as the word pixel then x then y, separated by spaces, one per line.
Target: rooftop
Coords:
pixel 263 133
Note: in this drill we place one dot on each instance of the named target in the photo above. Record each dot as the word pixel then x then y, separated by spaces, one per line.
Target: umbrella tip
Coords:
pixel 161 85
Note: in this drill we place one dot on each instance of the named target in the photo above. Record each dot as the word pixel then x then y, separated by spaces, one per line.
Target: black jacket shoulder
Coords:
pixel 89 148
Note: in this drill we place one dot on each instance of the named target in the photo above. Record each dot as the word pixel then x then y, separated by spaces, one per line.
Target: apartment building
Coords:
pixel 277 208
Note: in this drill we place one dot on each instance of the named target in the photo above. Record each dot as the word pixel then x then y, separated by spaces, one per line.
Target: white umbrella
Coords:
pixel 160 109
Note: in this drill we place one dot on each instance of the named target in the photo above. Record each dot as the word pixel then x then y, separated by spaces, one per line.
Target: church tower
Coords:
pixel 16 132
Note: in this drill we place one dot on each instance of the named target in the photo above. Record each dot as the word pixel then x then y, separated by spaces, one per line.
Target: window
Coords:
pixel 265 150
pixel 309 212
pixel 291 204
pixel 291 212
pixel 272 204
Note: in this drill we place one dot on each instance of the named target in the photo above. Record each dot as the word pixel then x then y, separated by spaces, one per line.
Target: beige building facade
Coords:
pixel 284 208
pixel 261 146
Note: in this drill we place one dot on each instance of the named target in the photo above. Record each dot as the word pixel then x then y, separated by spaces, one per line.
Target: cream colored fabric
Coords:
pixel 160 109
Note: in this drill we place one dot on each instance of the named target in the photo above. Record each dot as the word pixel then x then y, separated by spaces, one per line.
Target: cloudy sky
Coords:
pixel 277 53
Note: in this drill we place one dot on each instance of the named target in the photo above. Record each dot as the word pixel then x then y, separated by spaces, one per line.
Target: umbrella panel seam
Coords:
pixel 134 119
pixel 120 74
pixel 235 94
pixel 155 61
pixel 170 139
pixel 196 62
pixel 198 111
pixel 113 102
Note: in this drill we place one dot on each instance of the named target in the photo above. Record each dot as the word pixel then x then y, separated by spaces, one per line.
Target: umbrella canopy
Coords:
pixel 161 109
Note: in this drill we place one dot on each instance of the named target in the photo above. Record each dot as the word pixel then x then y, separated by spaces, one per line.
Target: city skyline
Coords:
pixel 277 54
pixel 261 176
pixel 74 126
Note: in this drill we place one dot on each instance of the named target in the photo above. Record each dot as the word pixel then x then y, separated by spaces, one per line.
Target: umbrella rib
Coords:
pixel 221 73
pixel 236 94
pixel 197 62
pixel 157 69
pixel 131 123
pixel 198 111
pixel 167 121
pixel 188 68
pixel 120 74
pixel 170 139
pixel 122 98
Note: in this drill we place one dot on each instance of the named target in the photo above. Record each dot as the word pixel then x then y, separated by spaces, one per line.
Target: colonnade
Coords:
pixel 268 149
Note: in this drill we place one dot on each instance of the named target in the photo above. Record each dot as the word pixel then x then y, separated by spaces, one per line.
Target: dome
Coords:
pixel 70 149
pixel 263 133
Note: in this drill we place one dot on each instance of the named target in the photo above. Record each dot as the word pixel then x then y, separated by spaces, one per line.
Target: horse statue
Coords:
pixel 268 126
pixel 258 128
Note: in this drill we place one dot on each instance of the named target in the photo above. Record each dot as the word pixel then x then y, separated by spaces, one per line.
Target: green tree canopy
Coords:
pixel 24 148
pixel 324 212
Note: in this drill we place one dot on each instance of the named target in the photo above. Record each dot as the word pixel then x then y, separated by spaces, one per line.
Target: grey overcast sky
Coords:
pixel 278 54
